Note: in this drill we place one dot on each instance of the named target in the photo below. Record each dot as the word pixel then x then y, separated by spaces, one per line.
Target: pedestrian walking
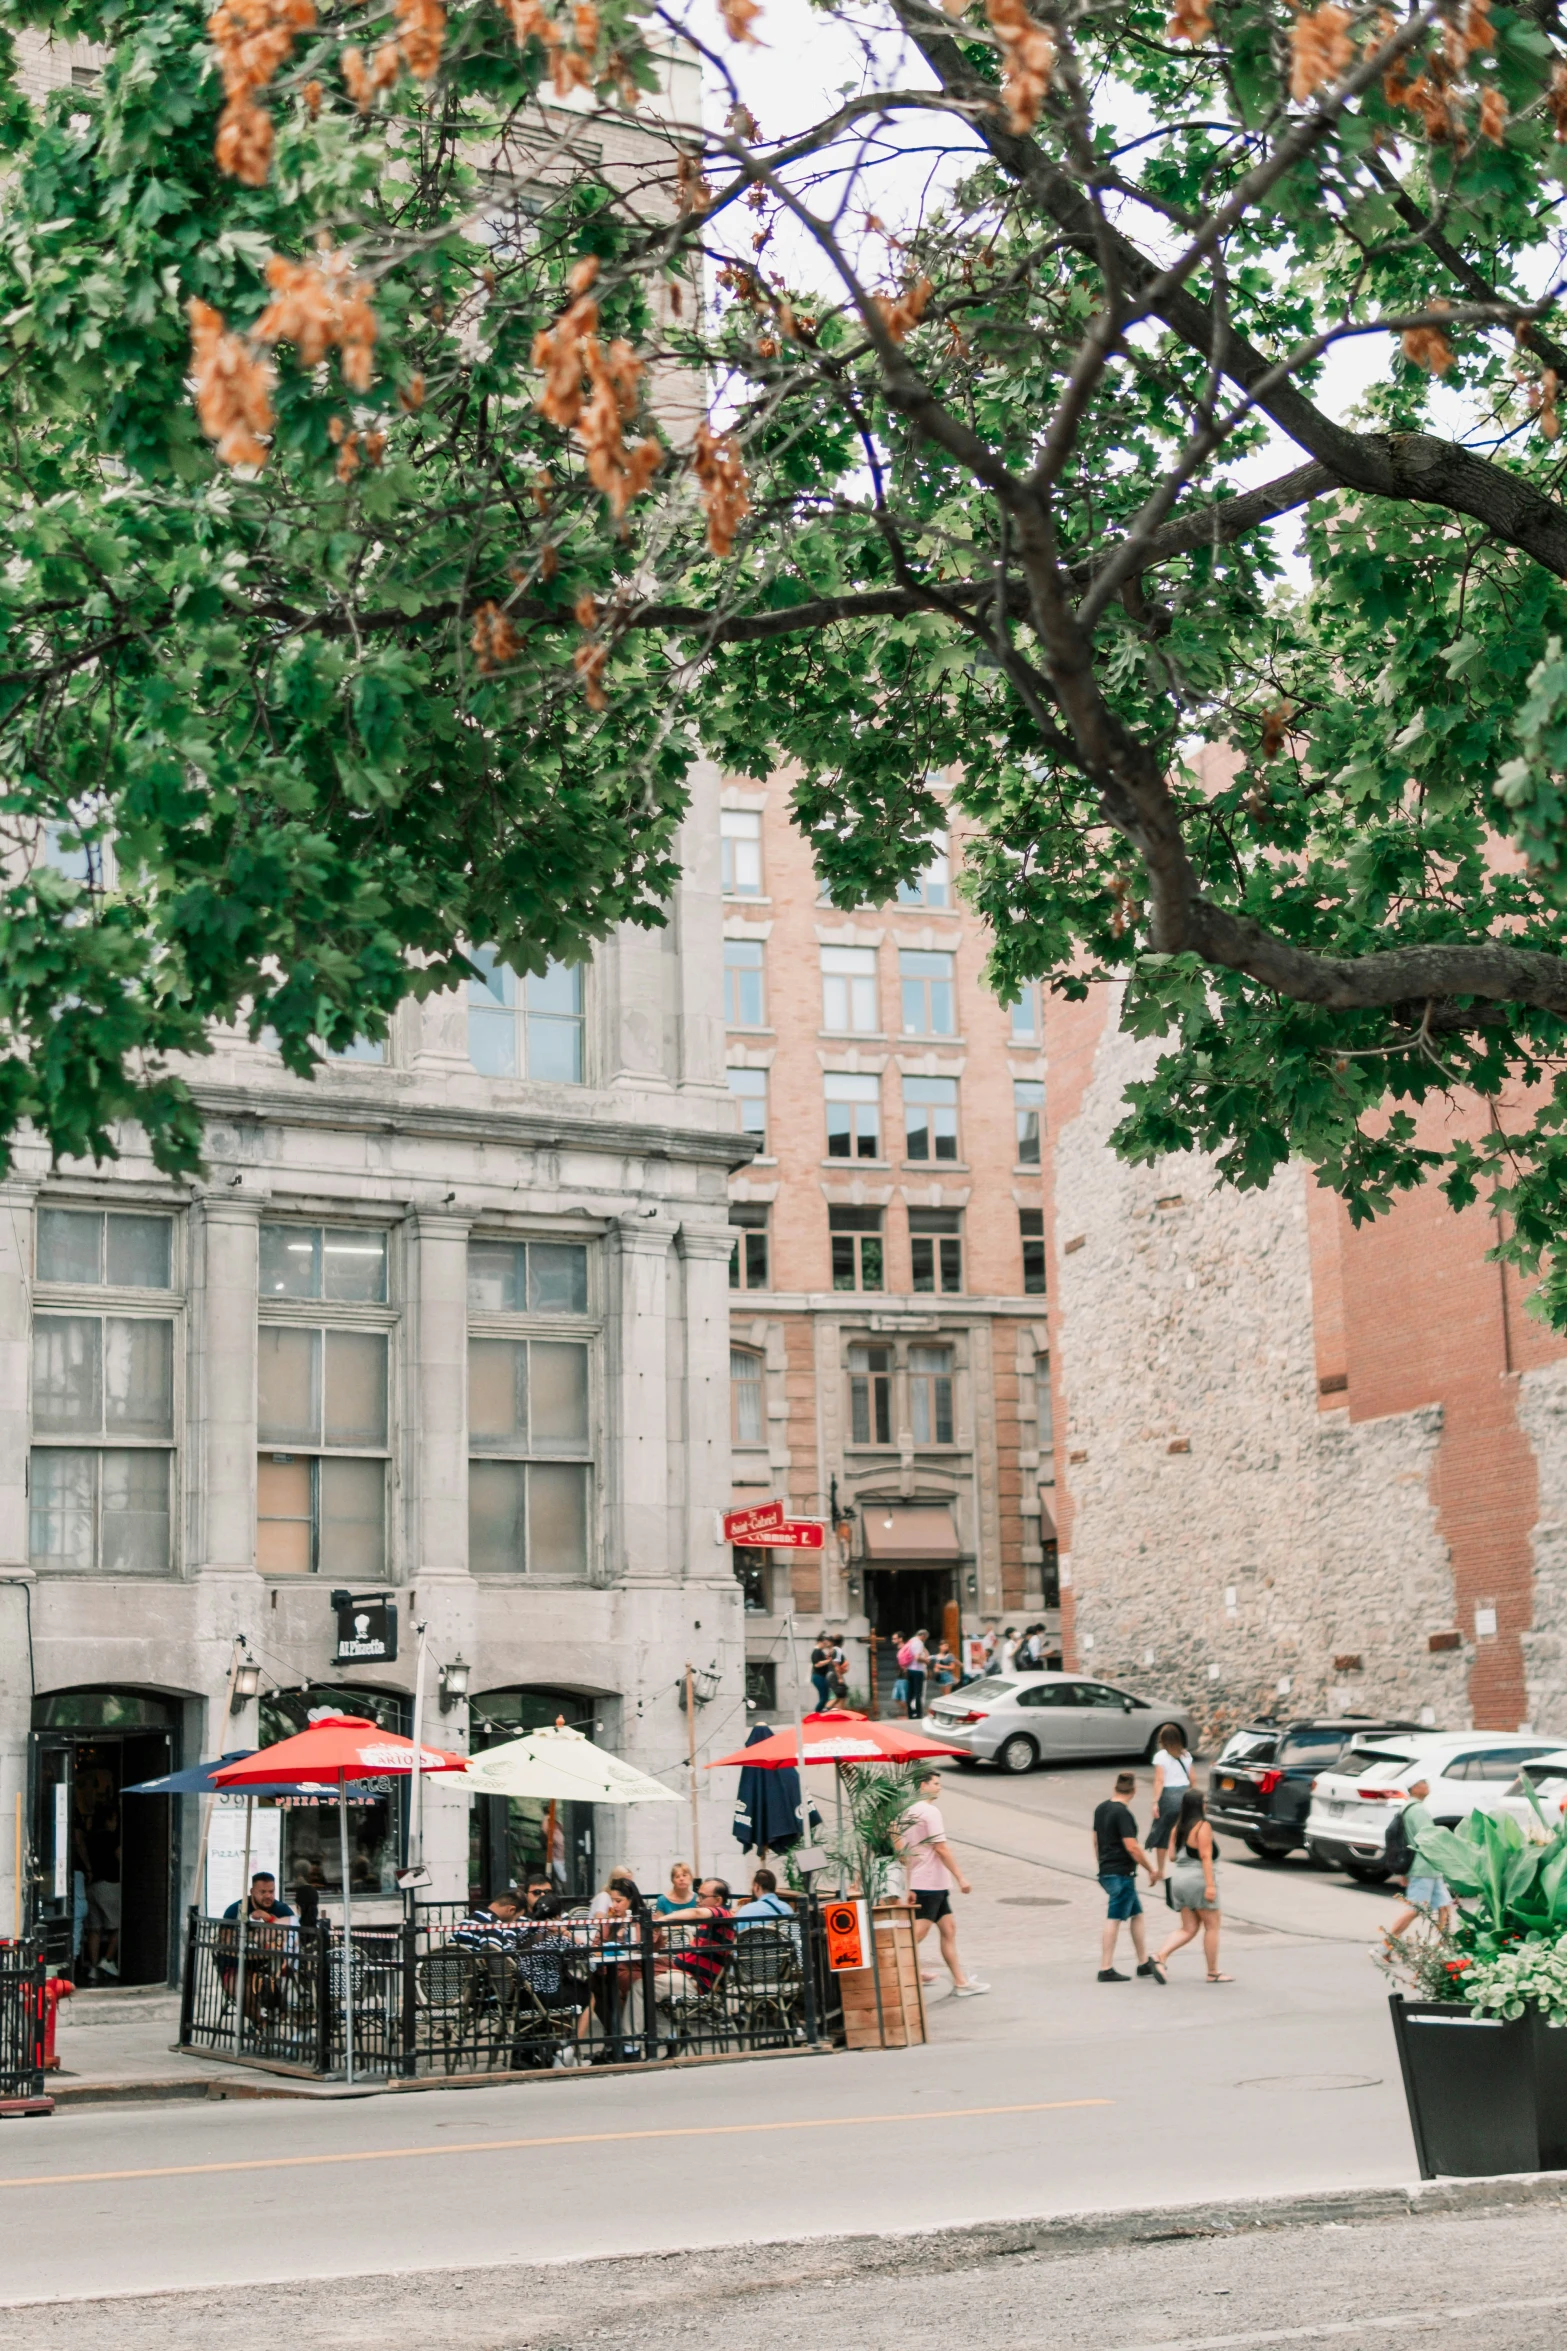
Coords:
pixel 1117 1857
pixel 1007 1649
pixel 900 1688
pixel 1194 1885
pixel 1425 1894
pixel 1172 1776
pixel 823 1662
pixel 933 1871
pixel 943 1669
pixel 914 1657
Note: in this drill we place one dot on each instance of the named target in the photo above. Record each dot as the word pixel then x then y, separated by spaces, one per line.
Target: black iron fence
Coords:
pixel 441 1996
pixel 22 2019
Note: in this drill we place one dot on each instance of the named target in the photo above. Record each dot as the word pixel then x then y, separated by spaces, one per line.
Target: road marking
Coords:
pixel 1334 2330
pixel 712 2130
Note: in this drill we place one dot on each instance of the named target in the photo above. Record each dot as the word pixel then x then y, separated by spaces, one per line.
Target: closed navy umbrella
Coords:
pixel 767 1808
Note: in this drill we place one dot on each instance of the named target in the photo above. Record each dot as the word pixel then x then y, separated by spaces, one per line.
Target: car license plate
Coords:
pixel 1335 1810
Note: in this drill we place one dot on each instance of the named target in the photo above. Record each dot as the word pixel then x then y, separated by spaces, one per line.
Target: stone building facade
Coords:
pixel 888 1337
pixel 449 1323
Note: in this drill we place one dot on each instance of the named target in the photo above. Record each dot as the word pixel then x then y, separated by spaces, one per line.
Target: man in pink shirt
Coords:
pixel 933 1869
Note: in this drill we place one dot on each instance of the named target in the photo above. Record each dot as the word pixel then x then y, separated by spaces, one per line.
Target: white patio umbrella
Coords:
pixel 560 1766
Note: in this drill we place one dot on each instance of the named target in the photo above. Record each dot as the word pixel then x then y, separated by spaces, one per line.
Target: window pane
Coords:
pixel 495 1275
pixel 139 1252
pixel 923 1256
pixel 756 1261
pixel 745 1380
pixel 492 1042
pixel 138 1377
pixel 743 1003
pixel 870 1262
pixel 558 1397
pixel 355 1388
pixel 557 989
pixel 288 1387
pixel 494 982
pixel 353 1265
pixel 360 1049
pixel 555 1050
pixel 498 1393
pixel 741 835
pixel 60 1516
pixel 135 1513
pixel 283 1516
pixel 557 1520
pixel 353 1519
pixel 1025 1016
pixel 749 1087
pixel 557 1278
pixel 290 1261
pixel 496 1494
pixel 70 1246
pixel 843 1261
pixel 951 1265
pixel 67 1374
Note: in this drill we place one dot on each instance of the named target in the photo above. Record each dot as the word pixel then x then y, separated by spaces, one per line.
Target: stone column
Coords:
pixel 16 1596
pixel 705 1251
pixel 639 1538
pixel 16 1346
pixel 222 1465
pixel 435 1448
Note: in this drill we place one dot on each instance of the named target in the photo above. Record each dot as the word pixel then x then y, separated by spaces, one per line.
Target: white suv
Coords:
pixel 1353 1805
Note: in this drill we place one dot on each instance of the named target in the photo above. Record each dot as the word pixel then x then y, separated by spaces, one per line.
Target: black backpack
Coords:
pixel 1400 1853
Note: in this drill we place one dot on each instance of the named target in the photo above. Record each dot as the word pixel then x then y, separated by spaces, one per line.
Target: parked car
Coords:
pixel 1020 1719
pixel 1539 1815
pixel 1352 1806
pixel 1260 1788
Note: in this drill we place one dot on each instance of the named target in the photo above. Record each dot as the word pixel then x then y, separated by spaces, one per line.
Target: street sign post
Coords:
pixel 753 1525
pixel 794 1534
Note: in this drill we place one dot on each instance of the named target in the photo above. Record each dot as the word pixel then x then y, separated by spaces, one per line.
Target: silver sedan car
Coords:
pixel 1019 1719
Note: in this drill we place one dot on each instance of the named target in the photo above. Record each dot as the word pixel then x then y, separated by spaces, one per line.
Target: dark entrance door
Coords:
pixel 514 1838
pixel 104 1861
pixel 898 1600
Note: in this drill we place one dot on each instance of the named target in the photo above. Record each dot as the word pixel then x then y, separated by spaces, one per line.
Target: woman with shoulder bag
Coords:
pixel 1194 1885
pixel 1172 1776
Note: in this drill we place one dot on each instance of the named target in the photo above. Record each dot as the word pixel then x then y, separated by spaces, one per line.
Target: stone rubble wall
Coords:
pixel 1227 1531
pixel 1542 1411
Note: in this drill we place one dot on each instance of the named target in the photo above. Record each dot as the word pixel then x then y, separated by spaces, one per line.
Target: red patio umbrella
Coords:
pixel 335 1750
pixel 837 1738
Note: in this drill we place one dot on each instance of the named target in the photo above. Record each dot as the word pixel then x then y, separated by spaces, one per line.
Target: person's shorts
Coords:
pixel 674 1986
pixel 1428 1893
pixel 932 1901
pixel 900 1692
pixel 1121 1888
pixel 103 1905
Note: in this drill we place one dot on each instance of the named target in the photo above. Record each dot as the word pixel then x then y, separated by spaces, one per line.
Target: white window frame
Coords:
pixel 744 873
pixel 492 1009
pixel 327 1315
pixel 516 1324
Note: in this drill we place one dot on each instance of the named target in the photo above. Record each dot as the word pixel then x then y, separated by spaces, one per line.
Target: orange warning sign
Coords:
pixel 848 1935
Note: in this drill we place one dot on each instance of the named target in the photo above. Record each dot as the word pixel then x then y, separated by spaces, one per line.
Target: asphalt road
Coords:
pixel 1053 2095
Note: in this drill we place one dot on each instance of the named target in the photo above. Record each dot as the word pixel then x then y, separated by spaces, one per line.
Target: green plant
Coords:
pixel 878 1799
pixel 1507 1950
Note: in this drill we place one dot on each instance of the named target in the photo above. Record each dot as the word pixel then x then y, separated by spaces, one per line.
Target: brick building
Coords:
pixel 887 1326
pixel 1222 1443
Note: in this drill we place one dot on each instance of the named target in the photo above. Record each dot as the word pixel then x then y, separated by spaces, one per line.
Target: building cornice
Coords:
pixel 368 1113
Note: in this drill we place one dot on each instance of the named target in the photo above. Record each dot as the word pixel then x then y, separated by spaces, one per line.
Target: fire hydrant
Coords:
pixel 56 1989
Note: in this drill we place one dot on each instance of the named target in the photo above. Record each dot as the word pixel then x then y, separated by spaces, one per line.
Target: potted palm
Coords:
pixel 1479 2019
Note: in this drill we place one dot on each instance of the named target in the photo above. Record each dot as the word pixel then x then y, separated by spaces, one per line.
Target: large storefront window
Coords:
pixel 312 1853
pixel 513 1839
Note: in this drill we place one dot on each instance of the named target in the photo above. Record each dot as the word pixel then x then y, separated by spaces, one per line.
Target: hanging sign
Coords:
pixel 751 1526
pixel 366 1629
pixel 795 1534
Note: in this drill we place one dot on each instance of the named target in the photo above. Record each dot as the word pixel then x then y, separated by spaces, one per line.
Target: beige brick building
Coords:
pixel 889 1353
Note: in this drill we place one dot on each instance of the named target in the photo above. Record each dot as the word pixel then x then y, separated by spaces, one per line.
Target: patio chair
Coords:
pixel 451 1985
pixel 765 1984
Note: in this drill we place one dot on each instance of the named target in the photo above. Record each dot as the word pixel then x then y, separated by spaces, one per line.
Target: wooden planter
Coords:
pixel 899 2021
pixel 1485 2095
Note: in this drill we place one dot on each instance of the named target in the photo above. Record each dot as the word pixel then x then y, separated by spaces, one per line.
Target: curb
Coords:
pixel 791 2262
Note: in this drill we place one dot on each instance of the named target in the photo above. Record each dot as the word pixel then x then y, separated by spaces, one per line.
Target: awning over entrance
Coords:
pixel 898 1532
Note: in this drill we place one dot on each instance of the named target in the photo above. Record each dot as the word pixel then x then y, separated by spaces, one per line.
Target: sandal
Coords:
pixel 1221 1979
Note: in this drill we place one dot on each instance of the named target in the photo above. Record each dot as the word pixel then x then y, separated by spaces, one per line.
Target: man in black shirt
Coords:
pixel 1116 1857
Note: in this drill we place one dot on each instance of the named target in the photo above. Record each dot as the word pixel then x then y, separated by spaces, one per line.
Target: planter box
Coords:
pixel 1485 2094
pixel 900 2022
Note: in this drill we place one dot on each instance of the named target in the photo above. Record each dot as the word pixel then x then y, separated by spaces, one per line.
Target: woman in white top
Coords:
pixel 1172 1776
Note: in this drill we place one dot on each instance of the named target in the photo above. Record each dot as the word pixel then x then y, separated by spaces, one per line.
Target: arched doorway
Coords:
pixel 510 1837
pixel 105 1870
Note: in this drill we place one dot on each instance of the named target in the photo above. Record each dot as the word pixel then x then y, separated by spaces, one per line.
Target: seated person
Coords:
pixel 765 1902
pixel 269 1944
pixel 682 1890
pixel 537 1890
pixel 549 1958
pixel 489 1926
pixel 700 1952
pixel 263 1905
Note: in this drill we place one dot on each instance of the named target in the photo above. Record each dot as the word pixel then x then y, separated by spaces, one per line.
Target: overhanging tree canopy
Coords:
pixel 407 629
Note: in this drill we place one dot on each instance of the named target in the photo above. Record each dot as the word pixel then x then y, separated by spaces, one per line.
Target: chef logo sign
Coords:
pixel 366 1630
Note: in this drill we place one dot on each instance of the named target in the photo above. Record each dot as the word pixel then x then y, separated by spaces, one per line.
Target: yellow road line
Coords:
pixel 715 2130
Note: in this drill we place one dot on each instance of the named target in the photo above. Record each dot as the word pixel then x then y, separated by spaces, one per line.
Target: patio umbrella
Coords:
pixel 560 1766
pixel 767 1805
pixel 198 1779
pixel 335 1751
pixel 836 1738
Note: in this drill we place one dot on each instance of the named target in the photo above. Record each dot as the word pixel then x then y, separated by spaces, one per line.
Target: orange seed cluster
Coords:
pixel 233 388
pixel 593 392
pixel 901 313
pixel 252 39
pixel 1028 59
pixel 739 16
pixel 318 307
pixel 1189 21
pixel 571 59
pixel 725 492
pixel 1320 49
pixel 494 640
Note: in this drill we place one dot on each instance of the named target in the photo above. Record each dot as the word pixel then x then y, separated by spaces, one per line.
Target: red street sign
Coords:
pixel 743 1526
pixel 795 1534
